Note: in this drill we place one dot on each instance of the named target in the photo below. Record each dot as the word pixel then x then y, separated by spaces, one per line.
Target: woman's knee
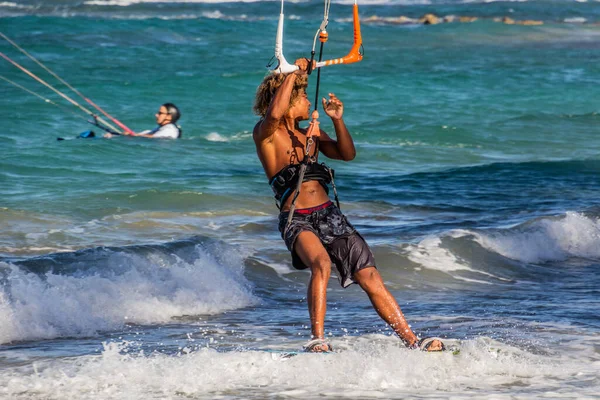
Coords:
pixel 321 265
pixel 311 251
pixel 368 279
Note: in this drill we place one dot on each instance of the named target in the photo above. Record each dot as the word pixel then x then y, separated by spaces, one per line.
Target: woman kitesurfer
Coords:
pixel 317 233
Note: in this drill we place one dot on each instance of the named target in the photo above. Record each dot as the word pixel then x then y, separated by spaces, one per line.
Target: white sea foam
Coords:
pixel 125 3
pixel 135 289
pixel 576 20
pixel 492 1
pixel 216 137
pixel 547 239
pixel 430 254
pixel 10 4
pixel 213 14
pixel 368 369
pixel 384 2
pixel 423 2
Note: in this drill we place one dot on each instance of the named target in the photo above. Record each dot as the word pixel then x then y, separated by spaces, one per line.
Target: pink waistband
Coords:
pixel 313 209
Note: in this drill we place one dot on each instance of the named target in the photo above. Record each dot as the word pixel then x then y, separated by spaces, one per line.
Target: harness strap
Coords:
pixel 301 174
pixel 337 201
pixel 293 205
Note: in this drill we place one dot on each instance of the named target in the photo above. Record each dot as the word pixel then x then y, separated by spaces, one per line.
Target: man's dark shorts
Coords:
pixel 345 246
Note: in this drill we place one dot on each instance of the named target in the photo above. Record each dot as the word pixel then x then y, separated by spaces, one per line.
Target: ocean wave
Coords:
pixel 547 239
pixel 434 253
pixel 84 293
pixel 386 2
pixel 126 3
pixel 10 4
pixel 188 9
pixel 490 254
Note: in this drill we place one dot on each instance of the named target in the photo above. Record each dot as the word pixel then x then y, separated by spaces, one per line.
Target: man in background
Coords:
pixel 167 116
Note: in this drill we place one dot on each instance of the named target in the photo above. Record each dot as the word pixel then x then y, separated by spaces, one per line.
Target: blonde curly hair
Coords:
pixel 268 87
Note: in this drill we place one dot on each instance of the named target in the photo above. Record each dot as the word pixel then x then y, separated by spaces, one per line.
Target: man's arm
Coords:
pixel 342 148
pixel 145 133
pixel 168 131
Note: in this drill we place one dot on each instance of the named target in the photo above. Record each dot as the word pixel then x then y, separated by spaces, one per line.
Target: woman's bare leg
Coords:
pixel 387 307
pixel 313 254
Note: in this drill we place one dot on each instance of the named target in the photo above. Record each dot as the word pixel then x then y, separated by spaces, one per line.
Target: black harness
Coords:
pixel 286 181
pixel 289 180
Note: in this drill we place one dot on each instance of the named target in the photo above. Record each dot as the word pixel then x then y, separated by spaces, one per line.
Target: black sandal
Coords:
pixel 425 343
pixel 316 346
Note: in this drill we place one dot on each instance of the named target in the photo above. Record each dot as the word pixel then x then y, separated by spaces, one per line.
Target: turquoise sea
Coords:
pixel 149 269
